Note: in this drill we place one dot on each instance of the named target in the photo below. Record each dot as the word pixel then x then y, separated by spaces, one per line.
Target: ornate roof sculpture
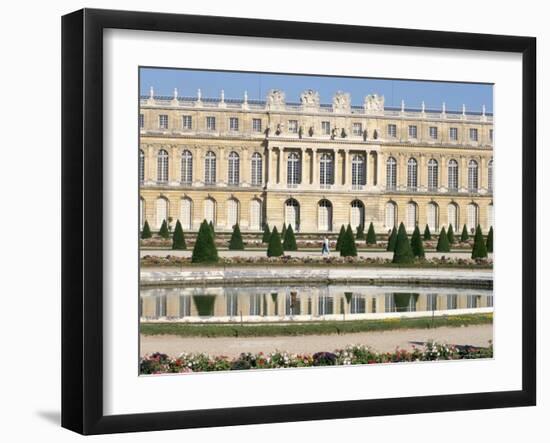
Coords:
pixel 341 102
pixel 310 99
pixel 275 99
pixel 374 104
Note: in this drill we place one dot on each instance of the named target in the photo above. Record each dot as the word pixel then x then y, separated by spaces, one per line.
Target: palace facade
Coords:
pixel 315 166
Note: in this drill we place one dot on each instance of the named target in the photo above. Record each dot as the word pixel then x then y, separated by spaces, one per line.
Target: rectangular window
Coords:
pixel 413 131
pixel 491 135
pixel 141 121
pixel 357 129
pixel 293 126
pixel 325 128
pixel 187 122
pixel 452 301
pixel 211 123
pixel 257 124
pixel 233 124
pixel 392 130
pixel 433 132
pixel 473 134
pixel 163 121
pixel 453 134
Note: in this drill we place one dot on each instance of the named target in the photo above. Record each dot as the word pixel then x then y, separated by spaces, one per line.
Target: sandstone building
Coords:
pixel 313 165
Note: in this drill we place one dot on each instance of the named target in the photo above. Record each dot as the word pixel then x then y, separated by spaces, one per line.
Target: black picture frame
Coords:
pixel 82 215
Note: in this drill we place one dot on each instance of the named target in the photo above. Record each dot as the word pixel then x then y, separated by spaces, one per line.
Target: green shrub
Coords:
pixel 464 237
pixel 205 249
pixel 267 234
pixel 451 235
pixel 392 239
pixel 371 235
pixel 204 304
pixel 489 242
pixel 236 241
pixel 146 232
pixel 347 246
pixel 212 231
pixel 163 232
pixel 178 239
pixel 443 242
pixel 283 232
pixel 416 244
pixel 479 250
pixel 289 240
pixel 427 233
pixel 340 237
pixel 274 248
pixel 402 252
pixel 360 235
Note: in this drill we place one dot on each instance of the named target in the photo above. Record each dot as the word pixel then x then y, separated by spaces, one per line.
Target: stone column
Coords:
pixel 422 173
pixel 337 176
pixel 268 167
pixel 482 174
pixel 245 177
pixel 314 175
pixel 279 176
pixel 347 162
pixel 303 167
pixel 463 173
pixel 151 162
pixel 381 163
pixel 174 167
pixel 221 166
pixel 198 160
pixel 284 168
pixel 401 171
pixel 443 173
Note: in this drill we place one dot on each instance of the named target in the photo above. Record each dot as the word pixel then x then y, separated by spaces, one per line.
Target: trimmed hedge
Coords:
pixel 479 250
pixel 489 242
pixel 163 232
pixel 464 237
pixel 205 250
pixel 275 248
pixel 267 234
pixel 289 240
pixel 371 235
pixel 340 237
pixel 347 246
pixel 392 240
pixel 427 233
pixel 443 242
pixel 416 244
pixel 236 241
pixel 451 235
pixel 403 252
pixel 178 239
pixel 146 232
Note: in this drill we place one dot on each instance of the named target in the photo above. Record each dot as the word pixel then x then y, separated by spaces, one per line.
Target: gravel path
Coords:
pixel 385 341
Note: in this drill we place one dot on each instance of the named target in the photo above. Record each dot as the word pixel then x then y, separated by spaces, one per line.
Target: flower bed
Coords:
pixel 169 260
pixel 158 363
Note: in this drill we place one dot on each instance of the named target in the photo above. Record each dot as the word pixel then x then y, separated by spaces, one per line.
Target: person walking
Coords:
pixel 325 249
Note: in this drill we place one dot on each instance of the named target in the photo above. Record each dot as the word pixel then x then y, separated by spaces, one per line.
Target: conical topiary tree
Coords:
pixel 464 237
pixel 274 248
pixel 443 242
pixel 146 231
pixel 163 232
pixel 204 250
pixel 340 237
pixel 211 226
pixel 391 240
pixel 348 247
pixel 236 241
pixel 360 235
pixel 427 233
pixel 479 249
pixel 289 240
pixel 489 242
pixel 283 231
pixel 267 234
pixel 371 235
pixel 451 235
pixel 403 252
pixel 178 239
pixel 416 243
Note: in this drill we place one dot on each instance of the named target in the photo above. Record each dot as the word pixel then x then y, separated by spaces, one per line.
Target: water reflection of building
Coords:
pixel 303 303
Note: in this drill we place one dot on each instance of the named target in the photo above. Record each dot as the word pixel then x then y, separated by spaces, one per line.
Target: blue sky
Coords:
pixel 473 95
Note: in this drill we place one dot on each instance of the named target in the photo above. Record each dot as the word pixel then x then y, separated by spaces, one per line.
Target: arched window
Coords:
pixel 490 175
pixel 293 169
pixel 210 168
pixel 412 174
pixel 256 169
pixel 391 173
pixel 141 212
pixel 233 169
pixel 292 214
pixel 141 166
pixel 186 213
pixel 186 167
pixel 391 215
pixel 162 166
pixel 324 220
pixel 210 210
pixel 453 175
pixel 255 214
pixel 433 216
pixel 490 215
pixel 358 171
pixel 452 216
pixel 473 217
pixel 472 176
pixel 232 212
pixel 412 216
pixel 357 216
pixel 326 175
pixel 433 175
pixel 162 211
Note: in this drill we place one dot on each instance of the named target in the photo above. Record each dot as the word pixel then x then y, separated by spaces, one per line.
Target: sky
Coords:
pixel 413 92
